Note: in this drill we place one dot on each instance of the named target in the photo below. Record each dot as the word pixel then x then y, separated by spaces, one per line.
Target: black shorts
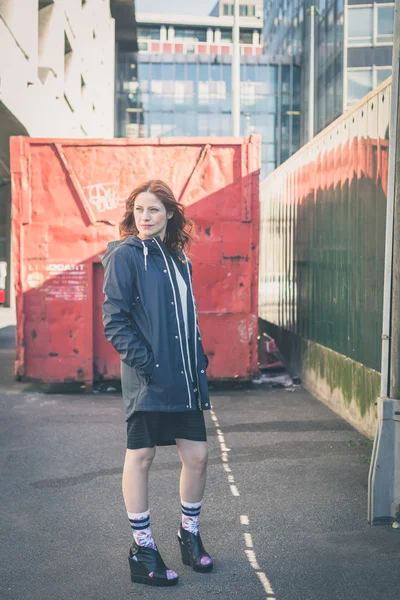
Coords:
pixel 149 429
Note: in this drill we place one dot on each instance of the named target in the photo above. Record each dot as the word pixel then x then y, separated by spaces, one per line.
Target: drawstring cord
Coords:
pixel 145 253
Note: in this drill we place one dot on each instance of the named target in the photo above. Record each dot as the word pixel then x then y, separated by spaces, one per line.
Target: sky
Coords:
pixel 183 7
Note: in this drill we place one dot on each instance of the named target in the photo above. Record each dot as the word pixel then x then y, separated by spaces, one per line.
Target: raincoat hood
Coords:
pixel 151 246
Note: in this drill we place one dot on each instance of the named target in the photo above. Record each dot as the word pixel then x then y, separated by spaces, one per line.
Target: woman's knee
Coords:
pixel 196 457
pixel 140 459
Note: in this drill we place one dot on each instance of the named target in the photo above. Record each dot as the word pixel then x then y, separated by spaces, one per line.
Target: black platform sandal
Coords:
pixel 143 561
pixel 192 551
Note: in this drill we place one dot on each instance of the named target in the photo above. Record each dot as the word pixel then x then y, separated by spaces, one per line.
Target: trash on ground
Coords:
pixel 275 379
pixel 268 353
pixel 272 369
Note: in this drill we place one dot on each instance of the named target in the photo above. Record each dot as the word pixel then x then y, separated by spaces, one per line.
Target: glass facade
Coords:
pixel 287 31
pixel 190 95
pixel 369 42
pixel 345 68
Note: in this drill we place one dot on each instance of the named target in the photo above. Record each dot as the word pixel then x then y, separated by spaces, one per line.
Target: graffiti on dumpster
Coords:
pixel 105 196
pixel 59 281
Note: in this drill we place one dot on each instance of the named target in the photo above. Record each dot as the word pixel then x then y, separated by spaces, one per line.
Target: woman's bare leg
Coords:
pixel 135 479
pixel 135 488
pixel 194 457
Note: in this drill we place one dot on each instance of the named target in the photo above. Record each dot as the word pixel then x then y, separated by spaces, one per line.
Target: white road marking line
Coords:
pixel 265 582
pixel 252 559
pixel 244 519
pixel 234 490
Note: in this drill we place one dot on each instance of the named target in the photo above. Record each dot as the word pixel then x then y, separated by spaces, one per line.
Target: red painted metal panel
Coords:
pixel 68 197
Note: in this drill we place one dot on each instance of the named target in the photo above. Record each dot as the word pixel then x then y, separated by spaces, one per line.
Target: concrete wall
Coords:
pixel 57 66
pixel 349 388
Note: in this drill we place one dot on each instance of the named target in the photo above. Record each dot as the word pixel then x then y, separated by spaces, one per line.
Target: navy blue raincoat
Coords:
pixel 143 319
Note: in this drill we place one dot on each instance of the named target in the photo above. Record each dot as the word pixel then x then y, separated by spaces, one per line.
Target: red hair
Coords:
pixel 180 229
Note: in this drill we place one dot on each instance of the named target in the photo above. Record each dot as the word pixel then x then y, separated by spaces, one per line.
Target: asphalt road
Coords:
pixel 284 470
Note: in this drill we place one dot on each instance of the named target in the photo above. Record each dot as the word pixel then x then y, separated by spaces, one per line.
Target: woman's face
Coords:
pixel 151 217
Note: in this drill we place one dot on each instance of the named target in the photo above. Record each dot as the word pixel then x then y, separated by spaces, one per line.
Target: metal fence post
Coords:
pixel 236 71
pixel 384 474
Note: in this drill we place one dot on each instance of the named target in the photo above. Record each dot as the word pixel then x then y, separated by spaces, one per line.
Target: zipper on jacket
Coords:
pixel 177 320
pixel 195 329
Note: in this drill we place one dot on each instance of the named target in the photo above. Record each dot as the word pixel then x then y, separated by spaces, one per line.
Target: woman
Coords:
pixel 149 316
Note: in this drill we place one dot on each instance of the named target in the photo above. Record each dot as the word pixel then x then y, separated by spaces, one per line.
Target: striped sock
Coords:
pixel 140 524
pixel 191 515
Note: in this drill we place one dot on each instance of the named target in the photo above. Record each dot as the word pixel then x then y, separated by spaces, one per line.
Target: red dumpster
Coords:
pixel 68 196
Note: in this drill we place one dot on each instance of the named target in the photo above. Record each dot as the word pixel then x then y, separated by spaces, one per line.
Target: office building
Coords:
pixel 56 80
pixel 179 84
pixel 353 50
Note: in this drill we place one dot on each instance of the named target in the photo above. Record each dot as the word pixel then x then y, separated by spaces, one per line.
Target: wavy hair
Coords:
pixel 180 229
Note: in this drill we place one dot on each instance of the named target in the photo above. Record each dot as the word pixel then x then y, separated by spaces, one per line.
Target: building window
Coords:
pixel 382 73
pixel 359 83
pixel 245 10
pixel 226 35
pixel 246 37
pixel 149 33
pixel 360 25
pixel 370 25
pixel 384 28
pixel 190 35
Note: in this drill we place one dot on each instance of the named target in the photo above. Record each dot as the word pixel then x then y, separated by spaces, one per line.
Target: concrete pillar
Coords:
pixel 171 33
pixel 217 36
pixel 163 33
pixel 210 36
pixel 256 37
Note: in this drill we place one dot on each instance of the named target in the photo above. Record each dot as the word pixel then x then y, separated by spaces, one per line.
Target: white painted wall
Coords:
pixel 51 93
